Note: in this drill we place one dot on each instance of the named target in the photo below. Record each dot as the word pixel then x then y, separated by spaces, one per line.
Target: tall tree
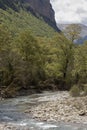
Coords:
pixel 80 64
pixel 65 59
pixel 5 49
pixel 30 53
pixel 72 32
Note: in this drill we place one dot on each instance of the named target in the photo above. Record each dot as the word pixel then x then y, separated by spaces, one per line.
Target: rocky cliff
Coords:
pixel 40 8
pixel 44 9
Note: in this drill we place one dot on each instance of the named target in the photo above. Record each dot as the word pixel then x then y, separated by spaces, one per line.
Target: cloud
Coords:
pixel 70 11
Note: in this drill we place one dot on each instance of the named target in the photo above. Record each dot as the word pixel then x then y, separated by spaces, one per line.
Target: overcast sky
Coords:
pixel 70 11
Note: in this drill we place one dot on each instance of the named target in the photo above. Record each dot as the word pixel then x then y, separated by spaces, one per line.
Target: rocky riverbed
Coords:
pixel 44 111
pixel 61 107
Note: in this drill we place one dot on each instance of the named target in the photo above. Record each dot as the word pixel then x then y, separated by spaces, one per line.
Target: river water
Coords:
pixel 13 116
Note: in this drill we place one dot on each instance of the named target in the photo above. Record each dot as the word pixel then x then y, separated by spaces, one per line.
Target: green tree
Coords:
pixel 59 60
pixel 80 64
pixel 30 52
pixel 72 32
pixel 5 49
pixel 65 59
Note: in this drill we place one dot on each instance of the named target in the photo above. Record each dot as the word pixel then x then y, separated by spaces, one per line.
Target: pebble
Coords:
pixel 62 108
pixel 69 109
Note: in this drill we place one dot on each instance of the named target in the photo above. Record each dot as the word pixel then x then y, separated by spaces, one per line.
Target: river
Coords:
pixel 13 116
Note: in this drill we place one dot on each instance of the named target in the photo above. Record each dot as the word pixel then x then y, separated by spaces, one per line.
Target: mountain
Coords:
pixel 62 26
pixel 39 8
pixel 83 34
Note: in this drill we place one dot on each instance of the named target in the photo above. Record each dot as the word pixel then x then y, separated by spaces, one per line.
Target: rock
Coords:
pixel 82 113
pixel 42 7
pixel 1 98
pixel 67 110
pixel 39 8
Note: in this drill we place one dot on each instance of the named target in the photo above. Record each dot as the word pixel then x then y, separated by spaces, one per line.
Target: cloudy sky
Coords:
pixel 70 11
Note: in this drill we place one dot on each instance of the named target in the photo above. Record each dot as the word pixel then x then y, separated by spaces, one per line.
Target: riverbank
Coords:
pixel 61 107
pixel 41 111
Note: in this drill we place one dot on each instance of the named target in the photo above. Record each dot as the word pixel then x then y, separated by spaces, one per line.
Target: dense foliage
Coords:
pixel 22 20
pixel 32 54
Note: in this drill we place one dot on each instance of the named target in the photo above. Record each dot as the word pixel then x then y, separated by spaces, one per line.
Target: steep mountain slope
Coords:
pixel 39 8
pixel 20 21
pixel 83 33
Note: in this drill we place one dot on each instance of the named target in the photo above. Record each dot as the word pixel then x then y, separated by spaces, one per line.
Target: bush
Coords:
pixel 9 92
pixel 75 91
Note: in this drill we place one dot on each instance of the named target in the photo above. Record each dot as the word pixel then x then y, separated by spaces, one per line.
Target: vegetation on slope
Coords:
pixel 22 20
pixel 33 54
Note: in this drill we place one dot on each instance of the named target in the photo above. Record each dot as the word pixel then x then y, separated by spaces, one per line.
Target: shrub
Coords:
pixel 75 91
pixel 9 92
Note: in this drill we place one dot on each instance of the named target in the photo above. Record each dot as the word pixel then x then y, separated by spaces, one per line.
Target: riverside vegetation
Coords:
pixel 33 55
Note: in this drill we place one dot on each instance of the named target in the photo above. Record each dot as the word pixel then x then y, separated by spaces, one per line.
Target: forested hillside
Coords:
pixel 18 21
pixel 38 8
pixel 34 55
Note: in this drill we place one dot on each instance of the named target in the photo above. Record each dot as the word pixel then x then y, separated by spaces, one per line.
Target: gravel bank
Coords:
pixel 61 107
